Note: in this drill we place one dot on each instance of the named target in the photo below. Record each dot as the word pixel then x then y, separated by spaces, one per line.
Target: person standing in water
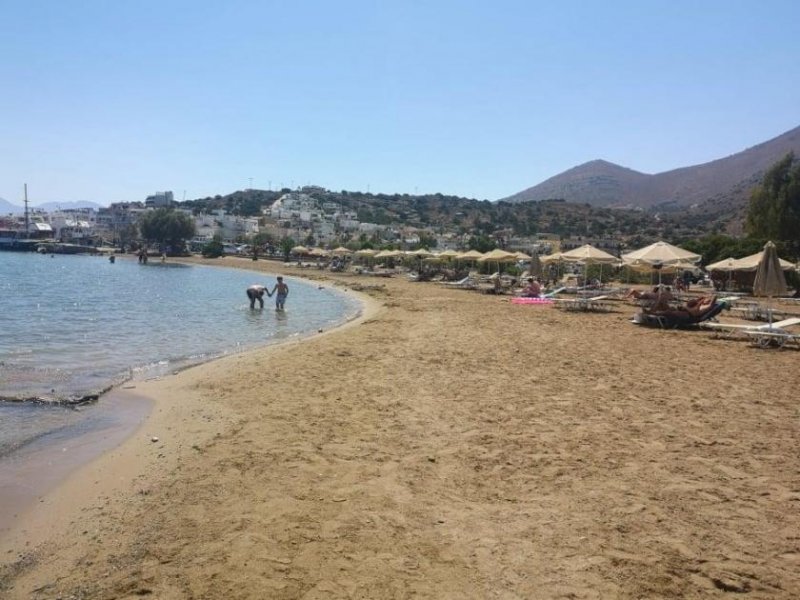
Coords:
pixel 256 292
pixel 281 290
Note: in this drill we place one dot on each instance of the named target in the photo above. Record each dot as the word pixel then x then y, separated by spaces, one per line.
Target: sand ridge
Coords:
pixel 448 445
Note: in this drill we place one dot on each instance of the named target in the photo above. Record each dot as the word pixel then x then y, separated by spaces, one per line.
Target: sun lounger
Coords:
pixel 757 312
pixel 593 304
pixel 683 317
pixel 553 293
pixel 729 330
pixel 770 338
pixel 467 283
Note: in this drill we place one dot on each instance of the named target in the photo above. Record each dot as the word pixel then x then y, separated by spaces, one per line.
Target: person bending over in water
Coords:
pixel 256 292
pixel 281 290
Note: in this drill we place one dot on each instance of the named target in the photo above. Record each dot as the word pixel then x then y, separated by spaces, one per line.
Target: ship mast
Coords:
pixel 27 217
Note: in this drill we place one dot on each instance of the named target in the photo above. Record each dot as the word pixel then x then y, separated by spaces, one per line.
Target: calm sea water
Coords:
pixel 71 326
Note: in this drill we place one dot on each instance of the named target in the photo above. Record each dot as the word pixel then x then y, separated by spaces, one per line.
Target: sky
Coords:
pixel 113 101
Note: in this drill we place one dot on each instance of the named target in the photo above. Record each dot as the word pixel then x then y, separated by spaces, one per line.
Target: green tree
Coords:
pixel 481 243
pixel 287 243
pixel 262 238
pixel 774 210
pixel 127 234
pixel 167 227
pixel 214 248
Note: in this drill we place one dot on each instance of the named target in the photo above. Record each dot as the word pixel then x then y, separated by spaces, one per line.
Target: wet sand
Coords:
pixel 448 445
pixel 31 472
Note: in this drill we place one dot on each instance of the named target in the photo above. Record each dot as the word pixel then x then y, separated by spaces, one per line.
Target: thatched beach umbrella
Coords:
pixel 471 257
pixel 660 253
pixel 770 280
pixel 550 258
pixel 366 254
pixel 727 265
pixel 447 254
pixel 750 263
pixel 341 251
pixel 388 254
pixel 420 253
pixel 589 255
pixel 658 256
pixel 299 250
pixel 498 256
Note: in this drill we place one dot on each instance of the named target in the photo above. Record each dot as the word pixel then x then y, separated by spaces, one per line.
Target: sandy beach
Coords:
pixel 448 444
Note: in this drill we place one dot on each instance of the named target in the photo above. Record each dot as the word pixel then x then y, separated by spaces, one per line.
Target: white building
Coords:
pixel 159 200
pixel 77 226
pixel 228 227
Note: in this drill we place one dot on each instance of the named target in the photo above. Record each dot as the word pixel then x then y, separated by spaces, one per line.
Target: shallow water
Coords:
pixel 71 326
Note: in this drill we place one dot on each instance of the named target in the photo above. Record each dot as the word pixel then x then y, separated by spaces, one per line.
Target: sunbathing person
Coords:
pixel 658 292
pixel 532 290
pixel 688 311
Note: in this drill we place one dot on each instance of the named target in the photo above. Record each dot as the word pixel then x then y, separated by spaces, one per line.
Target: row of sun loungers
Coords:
pixel 764 335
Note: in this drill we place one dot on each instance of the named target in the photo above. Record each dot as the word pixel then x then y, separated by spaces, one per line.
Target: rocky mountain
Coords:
pixel 6 208
pixel 725 183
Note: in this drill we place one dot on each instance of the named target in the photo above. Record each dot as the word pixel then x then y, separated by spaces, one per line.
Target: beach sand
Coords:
pixel 447 445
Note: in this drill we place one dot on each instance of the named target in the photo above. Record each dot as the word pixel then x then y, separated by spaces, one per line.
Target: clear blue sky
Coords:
pixel 112 101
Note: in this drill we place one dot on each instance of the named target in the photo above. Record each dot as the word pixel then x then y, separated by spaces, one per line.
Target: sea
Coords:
pixel 73 326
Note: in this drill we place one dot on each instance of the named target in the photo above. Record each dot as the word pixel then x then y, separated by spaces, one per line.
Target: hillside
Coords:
pixel 724 183
pixel 6 208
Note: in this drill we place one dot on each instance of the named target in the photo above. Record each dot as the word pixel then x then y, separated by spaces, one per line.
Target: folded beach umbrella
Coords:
pixel 769 276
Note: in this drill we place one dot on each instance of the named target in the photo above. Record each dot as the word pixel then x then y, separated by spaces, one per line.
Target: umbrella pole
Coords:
pixel 769 311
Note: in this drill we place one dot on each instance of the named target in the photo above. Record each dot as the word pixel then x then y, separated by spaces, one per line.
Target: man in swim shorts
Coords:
pixel 281 290
pixel 256 292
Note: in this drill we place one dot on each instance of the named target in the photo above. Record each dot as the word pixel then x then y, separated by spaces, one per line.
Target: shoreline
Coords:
pixel 450 445
pixel 38 468
pixel 134 411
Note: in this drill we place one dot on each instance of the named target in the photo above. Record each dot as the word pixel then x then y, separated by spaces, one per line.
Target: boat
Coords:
pixel 23 235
